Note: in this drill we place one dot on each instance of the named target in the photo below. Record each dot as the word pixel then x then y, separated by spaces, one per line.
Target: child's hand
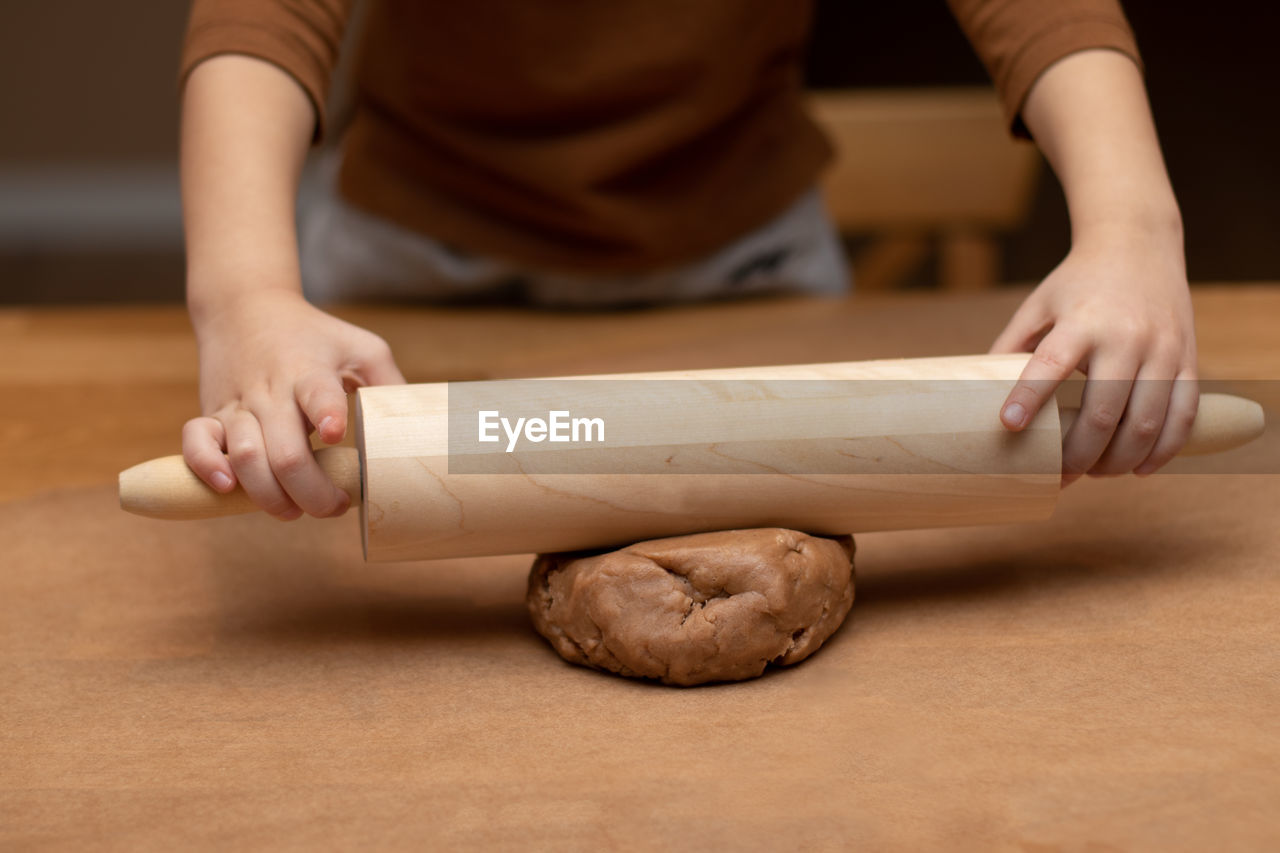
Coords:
pixel 1121 313
pixel 272 368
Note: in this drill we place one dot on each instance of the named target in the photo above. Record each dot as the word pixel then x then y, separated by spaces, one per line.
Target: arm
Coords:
pixel 272 367
pixel 1118 307
pixel 246 128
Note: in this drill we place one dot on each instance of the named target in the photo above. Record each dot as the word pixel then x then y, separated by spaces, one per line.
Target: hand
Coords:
pixel 1119 310
pixel 273 368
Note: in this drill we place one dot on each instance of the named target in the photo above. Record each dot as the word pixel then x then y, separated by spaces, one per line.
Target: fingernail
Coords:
pixel 290 515
pixel 1014 414
pixel 325 423
pixel 221 481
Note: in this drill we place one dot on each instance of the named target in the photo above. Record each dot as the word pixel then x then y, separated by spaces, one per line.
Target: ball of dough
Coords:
pixel 692 609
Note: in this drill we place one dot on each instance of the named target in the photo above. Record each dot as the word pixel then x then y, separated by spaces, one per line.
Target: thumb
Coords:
pixel 1026 328
pixel 378 365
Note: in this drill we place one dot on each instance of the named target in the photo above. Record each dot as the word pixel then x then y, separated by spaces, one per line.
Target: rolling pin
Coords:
pixel 826 448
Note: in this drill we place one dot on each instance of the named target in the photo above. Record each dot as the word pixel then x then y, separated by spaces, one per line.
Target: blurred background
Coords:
pixel 89 208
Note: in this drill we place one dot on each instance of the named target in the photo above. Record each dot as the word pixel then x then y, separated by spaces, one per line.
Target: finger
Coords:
pixel 1143 420
pixel 203 443
pixel 294 465
pixel 379 366
pixel 1052 362
pixel 1184 401
pixel 1025 330
pixel 247 451
pixel 1106 393
pixel 323 401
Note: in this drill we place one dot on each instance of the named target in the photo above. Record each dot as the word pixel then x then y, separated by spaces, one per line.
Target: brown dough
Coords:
pixel 691 609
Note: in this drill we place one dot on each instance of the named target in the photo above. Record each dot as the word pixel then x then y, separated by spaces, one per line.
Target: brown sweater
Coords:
pixel 595 135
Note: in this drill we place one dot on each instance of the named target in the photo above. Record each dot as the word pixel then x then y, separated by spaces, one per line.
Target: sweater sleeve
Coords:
pixel 1018 39
pixel 302 37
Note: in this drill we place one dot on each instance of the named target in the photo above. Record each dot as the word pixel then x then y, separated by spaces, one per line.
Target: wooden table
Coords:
pixel 1108 679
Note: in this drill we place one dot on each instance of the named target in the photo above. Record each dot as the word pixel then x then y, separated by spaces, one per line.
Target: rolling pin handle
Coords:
pixel 167 488
pixel 1223 422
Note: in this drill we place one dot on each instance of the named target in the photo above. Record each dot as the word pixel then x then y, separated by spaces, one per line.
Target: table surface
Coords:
pixel 1108 679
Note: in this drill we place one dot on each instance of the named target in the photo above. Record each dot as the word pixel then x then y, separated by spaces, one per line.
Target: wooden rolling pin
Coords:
pixel 820 448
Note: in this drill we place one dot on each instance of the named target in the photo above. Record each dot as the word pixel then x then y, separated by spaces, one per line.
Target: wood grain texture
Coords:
pixel 846 447
pixel 875 445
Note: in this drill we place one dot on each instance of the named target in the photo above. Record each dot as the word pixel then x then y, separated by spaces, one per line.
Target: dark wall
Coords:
pixel 87 86
pixel 86 81
pixel 1214 80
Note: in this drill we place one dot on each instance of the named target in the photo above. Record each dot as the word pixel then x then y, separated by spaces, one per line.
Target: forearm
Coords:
pixel 1089 114
pixel 246 127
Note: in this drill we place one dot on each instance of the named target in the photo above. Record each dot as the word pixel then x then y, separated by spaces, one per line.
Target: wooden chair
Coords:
pixel 923 165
